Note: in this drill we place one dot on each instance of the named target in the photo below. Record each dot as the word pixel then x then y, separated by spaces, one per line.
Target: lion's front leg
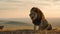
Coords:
pixel 39 28
pixel 34 28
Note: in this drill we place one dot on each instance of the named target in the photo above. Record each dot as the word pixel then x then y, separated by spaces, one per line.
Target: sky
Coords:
pixel 21 8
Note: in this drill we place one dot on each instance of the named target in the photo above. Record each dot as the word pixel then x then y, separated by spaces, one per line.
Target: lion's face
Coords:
pixel 33 15
pixel 36 15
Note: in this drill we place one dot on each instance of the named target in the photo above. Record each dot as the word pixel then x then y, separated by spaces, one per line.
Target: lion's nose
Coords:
pixel 29 14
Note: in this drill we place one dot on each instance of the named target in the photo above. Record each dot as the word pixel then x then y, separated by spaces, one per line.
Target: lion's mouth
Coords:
pixel 32 17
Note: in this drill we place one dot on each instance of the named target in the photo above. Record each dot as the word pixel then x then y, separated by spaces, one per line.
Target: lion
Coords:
pixel 38 19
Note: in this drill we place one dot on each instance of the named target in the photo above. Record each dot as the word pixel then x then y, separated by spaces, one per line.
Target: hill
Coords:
pixel 18 23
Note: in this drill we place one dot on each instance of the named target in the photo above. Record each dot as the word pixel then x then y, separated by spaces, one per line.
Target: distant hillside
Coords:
pixel 18 23
pixel 27 21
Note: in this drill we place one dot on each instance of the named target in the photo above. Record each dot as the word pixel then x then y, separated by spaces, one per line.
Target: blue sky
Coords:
pixel 21 8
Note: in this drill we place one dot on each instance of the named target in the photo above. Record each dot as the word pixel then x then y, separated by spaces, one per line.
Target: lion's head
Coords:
pixel 36 14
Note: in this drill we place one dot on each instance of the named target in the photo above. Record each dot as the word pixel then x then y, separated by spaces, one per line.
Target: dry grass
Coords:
pixel 28 31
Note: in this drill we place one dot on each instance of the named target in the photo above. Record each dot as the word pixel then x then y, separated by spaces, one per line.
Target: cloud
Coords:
pixel 17 4
pixel 55 0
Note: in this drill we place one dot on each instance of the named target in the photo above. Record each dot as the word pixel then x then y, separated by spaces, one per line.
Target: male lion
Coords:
pixel 38 19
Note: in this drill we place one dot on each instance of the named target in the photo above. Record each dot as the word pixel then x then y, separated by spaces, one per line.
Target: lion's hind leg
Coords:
pixel 49 27
pixel 34 28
